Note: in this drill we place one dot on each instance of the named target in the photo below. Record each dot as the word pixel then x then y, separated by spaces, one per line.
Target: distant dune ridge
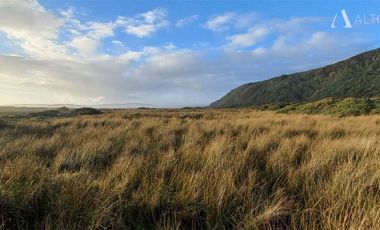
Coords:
pixel 356 77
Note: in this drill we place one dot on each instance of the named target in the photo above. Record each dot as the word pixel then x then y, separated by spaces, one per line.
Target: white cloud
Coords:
pixel 36 30
pixel 227 20
pixel 129 57
pixel 140 30
pixel 89 38
pixel 32 28
pixel 117 43
pixel 144 24
pixel 220 22
pixel 85 45
pixel 184 21
pixel 248 39
pixel 115 79
pixel 275 27
pixel 163 76
pixel 101 30
pixel 25 19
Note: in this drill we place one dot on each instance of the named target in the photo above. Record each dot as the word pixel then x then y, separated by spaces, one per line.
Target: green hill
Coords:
pixel 356 77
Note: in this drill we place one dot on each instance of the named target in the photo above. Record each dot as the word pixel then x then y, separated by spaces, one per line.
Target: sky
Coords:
pixel 169 53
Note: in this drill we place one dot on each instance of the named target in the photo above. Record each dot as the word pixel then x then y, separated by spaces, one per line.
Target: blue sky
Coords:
pixel 168 53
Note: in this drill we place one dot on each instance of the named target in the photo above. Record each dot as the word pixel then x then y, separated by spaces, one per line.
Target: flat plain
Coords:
pixel 190 169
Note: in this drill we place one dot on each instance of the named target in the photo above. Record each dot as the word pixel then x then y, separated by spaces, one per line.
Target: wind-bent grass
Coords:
pixel 191 169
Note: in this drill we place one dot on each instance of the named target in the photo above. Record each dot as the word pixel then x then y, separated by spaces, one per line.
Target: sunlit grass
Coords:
pixel 175 169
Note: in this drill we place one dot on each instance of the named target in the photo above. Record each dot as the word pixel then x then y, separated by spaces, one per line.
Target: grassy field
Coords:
pixel 191 169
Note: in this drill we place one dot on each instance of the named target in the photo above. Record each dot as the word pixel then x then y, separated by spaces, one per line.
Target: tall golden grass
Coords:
pixel 191 169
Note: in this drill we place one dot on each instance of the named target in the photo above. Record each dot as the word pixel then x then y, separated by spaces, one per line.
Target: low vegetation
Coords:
pixel 45 113
pixel 336 106
pixel 190 169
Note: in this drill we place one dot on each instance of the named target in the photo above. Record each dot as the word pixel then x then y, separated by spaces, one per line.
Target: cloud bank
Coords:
pixel 57 58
